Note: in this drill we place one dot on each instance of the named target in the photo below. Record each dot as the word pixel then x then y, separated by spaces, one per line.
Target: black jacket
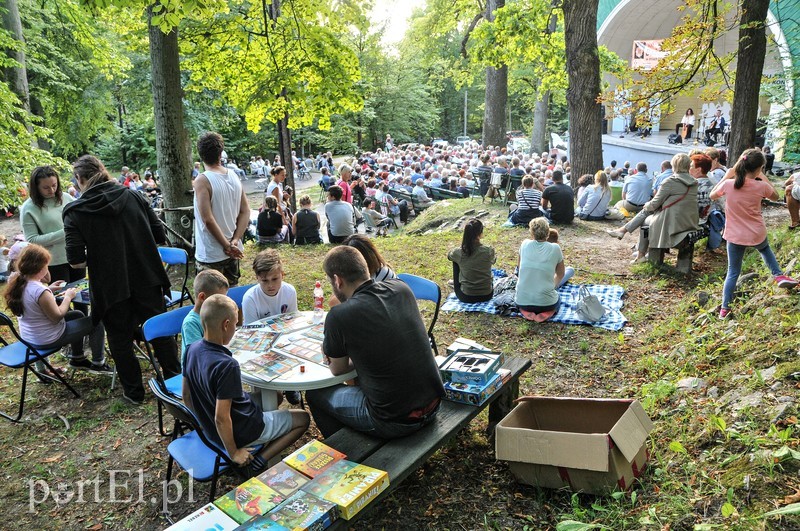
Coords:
pixel 115 232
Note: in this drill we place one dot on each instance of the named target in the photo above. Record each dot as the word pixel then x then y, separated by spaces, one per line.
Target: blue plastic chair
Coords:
pixel 177 256
pixel 237 294
pixel 200 457
pixel 23 354
pixel 427 290
pixel 164 325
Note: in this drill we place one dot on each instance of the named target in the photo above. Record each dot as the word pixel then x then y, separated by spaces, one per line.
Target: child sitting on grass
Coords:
pixel 206 283
pixel 212 389
pixel 270 226
pixel 46 323
pixel 272 296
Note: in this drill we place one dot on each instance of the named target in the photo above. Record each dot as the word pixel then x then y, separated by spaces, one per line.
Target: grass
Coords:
pixel 710 465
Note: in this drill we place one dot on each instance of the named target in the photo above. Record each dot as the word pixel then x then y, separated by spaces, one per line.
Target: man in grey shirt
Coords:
pixel 342 217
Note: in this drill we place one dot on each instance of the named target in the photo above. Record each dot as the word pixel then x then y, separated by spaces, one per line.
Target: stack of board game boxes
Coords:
pixel 471 373
pixel 309 489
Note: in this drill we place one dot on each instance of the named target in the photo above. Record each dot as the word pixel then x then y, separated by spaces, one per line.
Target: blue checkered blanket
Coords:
pixel 610 297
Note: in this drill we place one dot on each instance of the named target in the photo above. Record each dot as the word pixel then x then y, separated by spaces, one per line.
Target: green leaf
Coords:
pixel 786 453
pixel 793 508
pixel 677 447
pixel 728 510
pixel 572 525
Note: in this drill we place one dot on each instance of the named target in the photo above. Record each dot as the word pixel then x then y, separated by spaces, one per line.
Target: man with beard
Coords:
pixel 399 388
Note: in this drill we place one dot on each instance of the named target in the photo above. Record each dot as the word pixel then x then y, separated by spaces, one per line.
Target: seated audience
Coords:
pixel 306 223
pixel 342 217
pixel 559 198
pixel 379 268
pixel 270 227
pixel 541 270
pixel 380 221
pixel 529 200
pixel 472 265
pixel 212 389
pixel 594 203
pixel 637 190
pixel 399 391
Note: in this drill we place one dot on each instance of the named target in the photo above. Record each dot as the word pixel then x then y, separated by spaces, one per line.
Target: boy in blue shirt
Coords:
pixel 212 389
pixel 206 283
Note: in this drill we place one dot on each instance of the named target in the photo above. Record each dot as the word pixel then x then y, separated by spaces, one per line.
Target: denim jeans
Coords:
pixel 346 405
pixel 735 256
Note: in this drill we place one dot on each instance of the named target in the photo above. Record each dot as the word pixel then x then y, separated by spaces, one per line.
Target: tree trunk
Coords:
pixel 494 117
pixel 172 143
pixel 583 71
pixel 749 69
pixel 17 76
pixel 285 151
pixel 539 142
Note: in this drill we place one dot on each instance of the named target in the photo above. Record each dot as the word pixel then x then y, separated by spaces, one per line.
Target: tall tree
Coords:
pixel 752 50
pixel 494 118
pixel 16 73
pixel 583 71
pixel 172 143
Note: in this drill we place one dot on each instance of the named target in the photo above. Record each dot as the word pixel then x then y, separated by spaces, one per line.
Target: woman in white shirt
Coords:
pixel 684 128
pixel 594 202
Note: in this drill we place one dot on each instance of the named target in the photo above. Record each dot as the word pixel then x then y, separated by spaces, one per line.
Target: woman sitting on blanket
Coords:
pixel 541 271
pixel 472 265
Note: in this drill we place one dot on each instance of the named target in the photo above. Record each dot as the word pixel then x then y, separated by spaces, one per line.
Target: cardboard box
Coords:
pixel 473 367
pixel 589 445
pixel 475 395
pixel 462 343
pixel 207 517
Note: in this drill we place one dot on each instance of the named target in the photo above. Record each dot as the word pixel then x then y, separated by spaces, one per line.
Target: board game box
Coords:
pixel 251 498
pixel 261 523
pixel 355 488
pixel 208 517
pixel 313 458
pixel 321 484
pixel 283 479
pixel 304 511
pixel 475 395
pixel 270 365
pixel 473 367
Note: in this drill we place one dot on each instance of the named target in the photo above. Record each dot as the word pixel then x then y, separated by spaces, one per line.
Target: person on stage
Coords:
pixel 684 128
pixel 715 126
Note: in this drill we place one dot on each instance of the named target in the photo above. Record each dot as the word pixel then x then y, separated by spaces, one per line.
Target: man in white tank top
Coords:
pixel 221 212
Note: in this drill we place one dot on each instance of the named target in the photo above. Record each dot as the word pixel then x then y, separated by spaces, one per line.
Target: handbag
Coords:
pixel 589 307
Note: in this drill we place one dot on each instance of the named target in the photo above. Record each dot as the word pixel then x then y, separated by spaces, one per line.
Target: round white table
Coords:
pixel 304 377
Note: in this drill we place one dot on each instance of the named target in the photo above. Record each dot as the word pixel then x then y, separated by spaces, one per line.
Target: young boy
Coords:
pixel 212 389
pixel 379 220
pixel 206 283
pixel 271 296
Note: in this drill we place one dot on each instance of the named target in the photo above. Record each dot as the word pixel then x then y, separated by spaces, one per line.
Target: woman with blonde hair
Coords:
pixel 594 201
pixel 541 270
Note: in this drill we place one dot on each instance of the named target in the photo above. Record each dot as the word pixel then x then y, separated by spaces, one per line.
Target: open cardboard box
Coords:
pixel 589 445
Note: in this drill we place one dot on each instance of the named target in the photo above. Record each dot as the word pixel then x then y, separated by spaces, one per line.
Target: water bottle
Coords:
pixel 319 299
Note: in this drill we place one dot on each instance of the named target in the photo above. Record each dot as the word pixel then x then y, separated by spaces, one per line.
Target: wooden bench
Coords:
pixel 401 457
pixel 413 200
pixel 685 250
pixel 438 194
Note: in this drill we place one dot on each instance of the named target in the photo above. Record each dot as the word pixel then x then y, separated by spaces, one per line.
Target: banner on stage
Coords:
pixel 646 54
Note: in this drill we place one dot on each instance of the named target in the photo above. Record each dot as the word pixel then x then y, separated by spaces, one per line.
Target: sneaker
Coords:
pixel 616 234
pixel 133 401
pixel 724 313
pixel 639 259
pixel 81 364
pixel 293 397
pixel 101 368
pixel 786 282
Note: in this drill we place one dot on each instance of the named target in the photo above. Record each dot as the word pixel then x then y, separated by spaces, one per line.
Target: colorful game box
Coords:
pixel 208 517
pixel 251 498
pixel 283 479
pixel 321 484
pixel 313 458
pixel 475 395
pixel 355 489
pixel 473 367
pixel 305 511
pixel 251 339
pixel 261 523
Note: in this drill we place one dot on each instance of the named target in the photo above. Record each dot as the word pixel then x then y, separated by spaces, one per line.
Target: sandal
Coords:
pixel 51 374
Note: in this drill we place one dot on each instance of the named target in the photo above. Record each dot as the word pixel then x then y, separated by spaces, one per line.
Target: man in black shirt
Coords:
pixel 560 198
pixel 376 330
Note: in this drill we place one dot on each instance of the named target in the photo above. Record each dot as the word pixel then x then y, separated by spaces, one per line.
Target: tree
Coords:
pixel 494 118
pixel 583 71
pixel 16 74
pixel 752 50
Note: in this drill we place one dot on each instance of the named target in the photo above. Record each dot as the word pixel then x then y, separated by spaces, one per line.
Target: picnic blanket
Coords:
pixel 610 297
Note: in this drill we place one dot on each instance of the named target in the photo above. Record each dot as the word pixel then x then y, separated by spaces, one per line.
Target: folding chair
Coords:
pixel 201 458
pixel 23 354
pixel 177 256
pixel 237 294
pixel 164 325
pixel 426 290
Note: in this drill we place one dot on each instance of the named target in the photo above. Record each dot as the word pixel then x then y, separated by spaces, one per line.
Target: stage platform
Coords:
pixel 652 150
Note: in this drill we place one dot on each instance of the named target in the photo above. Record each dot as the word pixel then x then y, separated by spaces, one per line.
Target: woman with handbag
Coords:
pixel 745 186
pixel 671 215
pixel 541 271
pixel 594 202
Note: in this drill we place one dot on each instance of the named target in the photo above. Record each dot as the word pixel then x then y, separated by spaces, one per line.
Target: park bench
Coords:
pixel 401 457
pixel 685 250
pixel 413 200
pixel 438 194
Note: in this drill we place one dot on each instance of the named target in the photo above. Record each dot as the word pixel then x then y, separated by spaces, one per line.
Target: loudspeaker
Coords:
pixel 759 141
pixel 675 138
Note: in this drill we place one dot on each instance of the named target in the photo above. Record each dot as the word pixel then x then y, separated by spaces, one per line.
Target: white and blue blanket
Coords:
pixel 610 297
